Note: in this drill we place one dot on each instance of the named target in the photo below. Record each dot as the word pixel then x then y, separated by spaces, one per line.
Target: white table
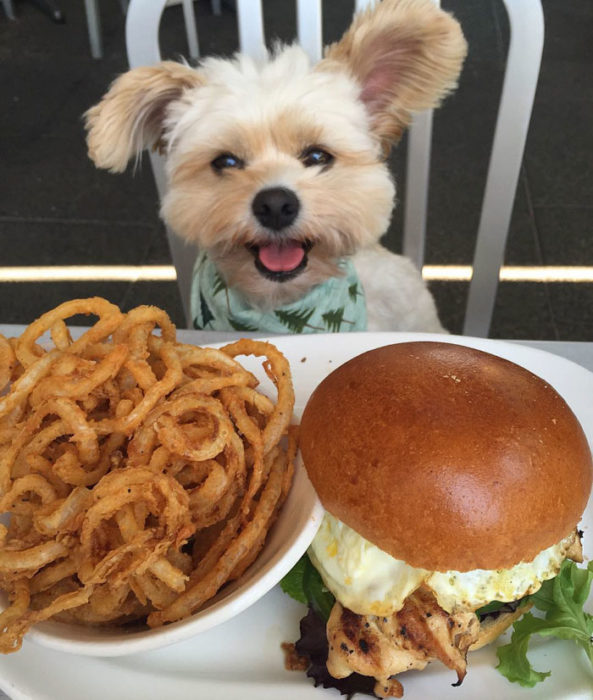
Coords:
pixel 579 352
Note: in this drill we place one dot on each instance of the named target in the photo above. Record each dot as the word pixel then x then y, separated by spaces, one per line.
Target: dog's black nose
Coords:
pixel 275 207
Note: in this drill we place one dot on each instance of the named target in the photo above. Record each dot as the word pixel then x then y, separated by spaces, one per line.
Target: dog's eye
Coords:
pixel 226 160
pixel 315 156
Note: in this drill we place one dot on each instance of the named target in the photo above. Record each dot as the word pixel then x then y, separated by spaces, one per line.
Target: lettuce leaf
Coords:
pixel 292 583
pixel 303 583
pixel 561 599
pixel 491 607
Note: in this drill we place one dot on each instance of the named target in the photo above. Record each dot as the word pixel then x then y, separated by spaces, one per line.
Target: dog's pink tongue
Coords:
pixel 281 257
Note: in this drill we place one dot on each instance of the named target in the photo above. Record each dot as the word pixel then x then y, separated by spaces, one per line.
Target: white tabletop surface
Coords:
pixel 579 352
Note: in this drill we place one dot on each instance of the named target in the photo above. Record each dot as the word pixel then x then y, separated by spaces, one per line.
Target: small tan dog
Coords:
pixel 276 170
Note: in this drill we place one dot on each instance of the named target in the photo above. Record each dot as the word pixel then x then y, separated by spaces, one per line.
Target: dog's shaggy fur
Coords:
pixel 233 128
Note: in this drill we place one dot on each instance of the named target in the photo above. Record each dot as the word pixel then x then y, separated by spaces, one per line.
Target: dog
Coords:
pixel 276 170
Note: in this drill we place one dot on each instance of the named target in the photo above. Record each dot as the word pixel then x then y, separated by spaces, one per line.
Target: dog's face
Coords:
pixel 274 171
pixel 277 169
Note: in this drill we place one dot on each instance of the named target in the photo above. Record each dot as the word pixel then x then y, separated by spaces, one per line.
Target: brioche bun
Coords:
pixel 446 457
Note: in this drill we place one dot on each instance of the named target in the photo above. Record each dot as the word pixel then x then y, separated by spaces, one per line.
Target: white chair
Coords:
pixel 522 70
pixel 93 19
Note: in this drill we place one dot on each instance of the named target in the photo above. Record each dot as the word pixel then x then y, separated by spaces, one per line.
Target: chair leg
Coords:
pixel 8 9
pixel 93 20
pixel 190 28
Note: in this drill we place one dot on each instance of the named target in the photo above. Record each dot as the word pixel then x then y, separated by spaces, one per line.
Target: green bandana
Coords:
pixel 336 305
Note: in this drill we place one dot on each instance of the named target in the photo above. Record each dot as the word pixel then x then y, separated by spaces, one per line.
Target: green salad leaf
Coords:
pixel 292 583
pixel 303 583
pixel 492 607
pixel 319 597
pixel 512 657
pixel 561 599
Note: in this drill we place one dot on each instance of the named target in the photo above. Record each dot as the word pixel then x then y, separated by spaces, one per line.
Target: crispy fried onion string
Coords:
pixel 139 474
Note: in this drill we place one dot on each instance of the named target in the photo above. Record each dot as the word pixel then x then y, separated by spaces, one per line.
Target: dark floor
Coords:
pixel 55 208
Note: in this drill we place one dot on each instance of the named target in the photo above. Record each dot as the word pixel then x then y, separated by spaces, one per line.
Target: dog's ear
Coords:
pixel 130 116
pixel 406 56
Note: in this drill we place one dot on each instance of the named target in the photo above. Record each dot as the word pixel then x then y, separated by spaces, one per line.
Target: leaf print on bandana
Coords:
pixel 219 284
pixel 353 292
pixel 207 315
pixel 334 319
pixel 295 321
pixel 243 327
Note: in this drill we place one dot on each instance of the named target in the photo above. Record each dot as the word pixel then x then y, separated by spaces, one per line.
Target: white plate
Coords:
pixel 241 659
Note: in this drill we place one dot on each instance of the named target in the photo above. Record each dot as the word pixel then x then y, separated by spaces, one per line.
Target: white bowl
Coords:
pixel 287 541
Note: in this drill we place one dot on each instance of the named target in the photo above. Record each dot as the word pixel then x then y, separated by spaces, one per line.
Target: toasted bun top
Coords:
pixel 447 458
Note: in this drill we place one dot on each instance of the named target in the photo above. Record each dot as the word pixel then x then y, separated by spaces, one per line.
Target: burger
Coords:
pixel 453 481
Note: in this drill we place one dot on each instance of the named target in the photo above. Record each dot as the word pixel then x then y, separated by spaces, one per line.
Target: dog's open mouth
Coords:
pixel 282 260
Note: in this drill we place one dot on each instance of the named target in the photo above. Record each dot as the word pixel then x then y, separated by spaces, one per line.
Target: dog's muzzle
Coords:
pixel 282 258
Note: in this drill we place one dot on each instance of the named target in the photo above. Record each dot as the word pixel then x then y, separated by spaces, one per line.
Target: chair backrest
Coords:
pixel 518 91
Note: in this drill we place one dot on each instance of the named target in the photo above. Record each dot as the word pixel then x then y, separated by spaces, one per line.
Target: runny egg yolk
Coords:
pixel 369 581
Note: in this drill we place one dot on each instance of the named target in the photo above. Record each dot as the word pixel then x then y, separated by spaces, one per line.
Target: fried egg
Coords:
pixel 369 581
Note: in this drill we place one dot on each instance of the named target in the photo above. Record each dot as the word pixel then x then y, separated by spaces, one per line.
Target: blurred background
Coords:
pixel 57 210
